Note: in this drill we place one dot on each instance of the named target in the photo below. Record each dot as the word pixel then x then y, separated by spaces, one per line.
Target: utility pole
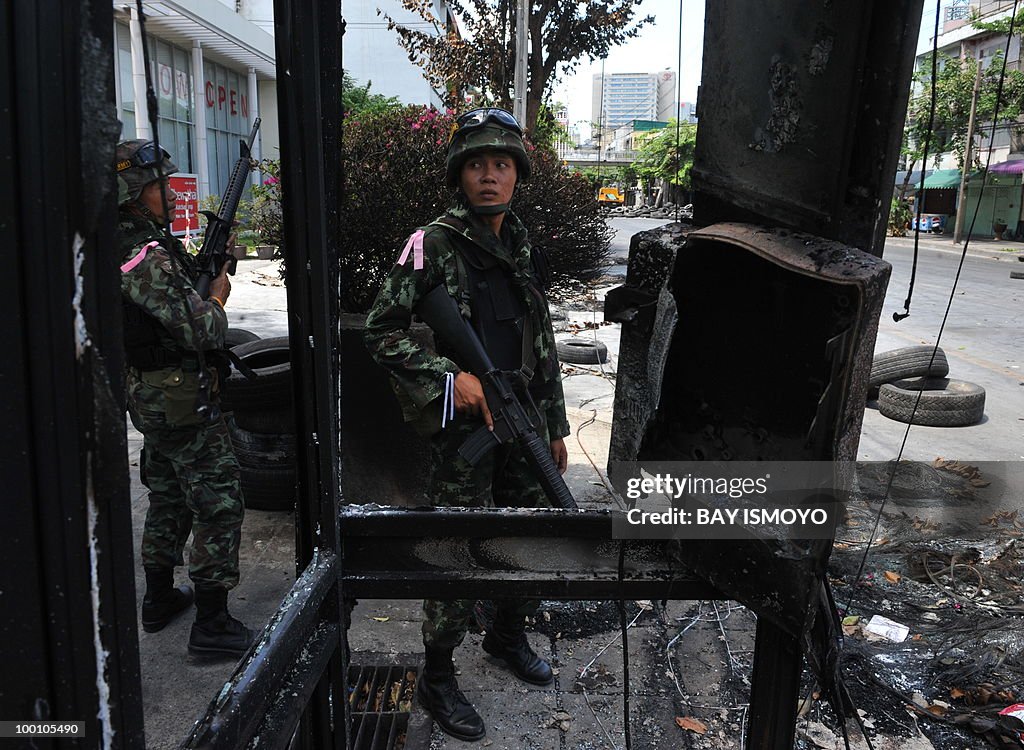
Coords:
pixel 522 50
pixel 961 205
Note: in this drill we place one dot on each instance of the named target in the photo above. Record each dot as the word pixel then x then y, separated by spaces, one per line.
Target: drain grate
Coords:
pixel 381 699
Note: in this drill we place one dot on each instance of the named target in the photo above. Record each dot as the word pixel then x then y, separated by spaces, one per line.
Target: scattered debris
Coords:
pixel 888 629
pixel 691 725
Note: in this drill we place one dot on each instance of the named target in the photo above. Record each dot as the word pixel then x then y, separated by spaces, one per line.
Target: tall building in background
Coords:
pixel 618 98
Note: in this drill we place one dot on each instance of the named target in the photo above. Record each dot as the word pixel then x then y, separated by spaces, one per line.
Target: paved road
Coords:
pixel 982 340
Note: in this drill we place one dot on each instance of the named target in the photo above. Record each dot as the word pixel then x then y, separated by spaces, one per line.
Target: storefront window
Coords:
pixel 227 120
pixel 172 81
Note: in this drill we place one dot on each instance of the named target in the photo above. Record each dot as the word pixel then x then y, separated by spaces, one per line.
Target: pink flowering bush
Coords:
pixel 393 182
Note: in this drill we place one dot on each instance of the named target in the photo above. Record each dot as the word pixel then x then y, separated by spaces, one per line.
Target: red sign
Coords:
pixel 220 97
pixel 186 217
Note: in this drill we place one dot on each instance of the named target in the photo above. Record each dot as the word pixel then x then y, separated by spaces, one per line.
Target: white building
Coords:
pixel 373 55
pixel 958 38
pixel 213 72
pixel 620 98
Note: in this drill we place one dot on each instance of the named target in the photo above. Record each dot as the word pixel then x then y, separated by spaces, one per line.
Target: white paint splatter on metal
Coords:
pixel 82 341
pixel 102 686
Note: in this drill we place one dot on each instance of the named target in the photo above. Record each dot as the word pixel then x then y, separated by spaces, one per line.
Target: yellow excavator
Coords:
pixel 610 195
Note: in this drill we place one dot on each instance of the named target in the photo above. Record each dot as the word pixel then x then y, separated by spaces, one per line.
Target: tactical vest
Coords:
pixel 499 317
pixel 144 347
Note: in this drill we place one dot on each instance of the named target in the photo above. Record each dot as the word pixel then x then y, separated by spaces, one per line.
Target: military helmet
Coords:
pixel 137 164
pixel 488 129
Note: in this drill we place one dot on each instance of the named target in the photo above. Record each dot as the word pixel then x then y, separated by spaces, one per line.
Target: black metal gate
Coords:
pixel 66 586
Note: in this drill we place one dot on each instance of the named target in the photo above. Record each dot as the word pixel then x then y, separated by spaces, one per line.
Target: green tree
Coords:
pixel 954 88
pixel 666 157
pixel 549 132
pixel 482 56
pixel 394 164
pixel 356 99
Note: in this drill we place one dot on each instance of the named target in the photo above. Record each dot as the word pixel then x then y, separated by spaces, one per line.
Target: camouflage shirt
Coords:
pixel 162 287
pixel 417 373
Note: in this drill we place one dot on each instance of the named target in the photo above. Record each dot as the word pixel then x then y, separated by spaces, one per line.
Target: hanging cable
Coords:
pixel 897 317
pixel 679 78
pixel 623 627
pixel 945 316
pixel 153 112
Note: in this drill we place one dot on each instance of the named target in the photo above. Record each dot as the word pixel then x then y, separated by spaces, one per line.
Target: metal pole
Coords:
pixel 199 118
pixel 522 50
pixel 254 112
pixel 142 129
pixel 961 200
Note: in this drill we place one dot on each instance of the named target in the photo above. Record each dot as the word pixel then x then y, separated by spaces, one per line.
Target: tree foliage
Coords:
pixel 481 56
pixel 356 99
pixel 953 88
pixel 667 155
pixel 394 163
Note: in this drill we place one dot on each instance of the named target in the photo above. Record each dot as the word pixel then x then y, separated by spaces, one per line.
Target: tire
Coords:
pixel 909 362
pixel 944 402
pixel 238 336
pixel 269 488
pixel 257 450
pixel 271 388
pixel 267 464
pixel 579 351
pixel 266 422
pixel 1017 274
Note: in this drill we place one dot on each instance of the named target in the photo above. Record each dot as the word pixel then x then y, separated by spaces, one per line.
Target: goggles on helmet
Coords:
pixel 479 117
pixel 145 157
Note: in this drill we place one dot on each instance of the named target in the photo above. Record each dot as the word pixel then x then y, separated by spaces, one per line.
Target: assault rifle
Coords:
pixel 214 253
pixel 511 421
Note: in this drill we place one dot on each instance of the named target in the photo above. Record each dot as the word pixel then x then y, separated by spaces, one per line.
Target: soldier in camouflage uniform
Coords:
pixel 172 338
pixel 480 252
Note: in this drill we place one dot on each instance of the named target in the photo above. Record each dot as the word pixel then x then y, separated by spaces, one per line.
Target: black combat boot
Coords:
pixel 163 602
pixel 439 693
pixel 215 632
pixel 507 640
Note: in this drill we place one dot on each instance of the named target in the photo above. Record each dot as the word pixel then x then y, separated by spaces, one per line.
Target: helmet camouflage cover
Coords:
pixel 131 178
pixel 489 137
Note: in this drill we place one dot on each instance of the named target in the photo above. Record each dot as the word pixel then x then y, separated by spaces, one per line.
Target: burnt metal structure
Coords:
pixel 67 586
pixel 292 682
pixel 783 323
pixel 805 133
pixel 67 589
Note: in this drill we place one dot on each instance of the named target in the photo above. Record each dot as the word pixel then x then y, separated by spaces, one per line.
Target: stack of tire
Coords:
pixel 911 386
pixel 261 422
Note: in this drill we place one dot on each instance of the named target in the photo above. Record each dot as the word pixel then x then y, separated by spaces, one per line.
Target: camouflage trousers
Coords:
pixel 502 479
pixel 194 486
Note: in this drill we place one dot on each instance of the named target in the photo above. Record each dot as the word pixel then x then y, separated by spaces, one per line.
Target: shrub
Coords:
pixel 393 164
pixel 899 218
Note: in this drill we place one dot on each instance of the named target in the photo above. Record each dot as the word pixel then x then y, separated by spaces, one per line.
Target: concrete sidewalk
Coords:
pixel 978 246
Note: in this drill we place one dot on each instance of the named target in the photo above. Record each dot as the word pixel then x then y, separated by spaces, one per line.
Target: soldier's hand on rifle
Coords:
pixel 560 455
pixel 220 287
pixel 470 399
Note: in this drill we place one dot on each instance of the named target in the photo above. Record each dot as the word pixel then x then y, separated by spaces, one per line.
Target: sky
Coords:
pixel 657 48
pixel 654 49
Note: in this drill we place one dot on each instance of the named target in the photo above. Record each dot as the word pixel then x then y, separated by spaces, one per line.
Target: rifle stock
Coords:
pixel 213 254
pixel 511 420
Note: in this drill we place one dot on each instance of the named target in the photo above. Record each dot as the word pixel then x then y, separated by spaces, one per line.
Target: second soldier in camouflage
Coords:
pixel 172 337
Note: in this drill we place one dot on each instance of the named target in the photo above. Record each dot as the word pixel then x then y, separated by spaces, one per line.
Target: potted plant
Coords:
pixel 999 226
